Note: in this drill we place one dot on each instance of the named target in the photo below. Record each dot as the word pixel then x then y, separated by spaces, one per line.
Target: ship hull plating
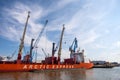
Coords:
pixel 32 67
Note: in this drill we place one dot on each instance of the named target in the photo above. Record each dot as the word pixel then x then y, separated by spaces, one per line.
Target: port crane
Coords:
pixel 60 45
pixel 74 45
pixel 22 40
pixel 56 60
pixel 37 40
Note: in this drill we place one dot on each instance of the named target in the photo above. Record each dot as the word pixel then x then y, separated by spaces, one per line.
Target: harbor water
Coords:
pixel 76 74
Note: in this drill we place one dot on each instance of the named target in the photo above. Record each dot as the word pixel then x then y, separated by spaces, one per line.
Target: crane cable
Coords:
pixel 38 39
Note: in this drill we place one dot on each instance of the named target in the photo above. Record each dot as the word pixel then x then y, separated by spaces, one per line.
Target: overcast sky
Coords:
pixel 95 24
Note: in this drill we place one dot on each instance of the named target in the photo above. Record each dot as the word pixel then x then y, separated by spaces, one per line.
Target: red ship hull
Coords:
pixel 37 66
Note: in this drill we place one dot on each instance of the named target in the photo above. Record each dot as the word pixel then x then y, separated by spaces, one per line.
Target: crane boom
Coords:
pixel 74 45
pixel 38 39
pixel 60 45
pixel 23 37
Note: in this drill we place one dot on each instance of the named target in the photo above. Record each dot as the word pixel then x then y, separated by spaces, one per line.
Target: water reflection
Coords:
pixel 78 74
pixel 65 75
pixel 14 76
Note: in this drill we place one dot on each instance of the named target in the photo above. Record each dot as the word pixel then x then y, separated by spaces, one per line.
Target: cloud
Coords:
pixel 88 37
pixel 89 15
pixel 11 33
pixel 56 6
pixel 19 14
pixel 99 46
pixel 88 20
pixel 111 56
pixel 116 44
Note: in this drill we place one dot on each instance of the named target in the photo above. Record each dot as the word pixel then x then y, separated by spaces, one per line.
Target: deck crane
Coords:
pixel 74 45
pixel 22 40
pixel 60 45
pixel 31 48
pixel 37 40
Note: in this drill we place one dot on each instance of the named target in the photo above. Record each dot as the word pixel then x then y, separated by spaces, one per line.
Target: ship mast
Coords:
pixel 22 40
pixel 60 46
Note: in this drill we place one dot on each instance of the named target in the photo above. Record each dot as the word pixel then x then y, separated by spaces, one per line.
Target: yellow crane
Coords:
pixel 60 45
pixel 22 40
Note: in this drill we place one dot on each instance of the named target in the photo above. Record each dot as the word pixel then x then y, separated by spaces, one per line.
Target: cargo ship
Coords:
pixel 76 60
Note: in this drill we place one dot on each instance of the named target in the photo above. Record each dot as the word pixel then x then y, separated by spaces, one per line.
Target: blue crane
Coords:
pixel 74 45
